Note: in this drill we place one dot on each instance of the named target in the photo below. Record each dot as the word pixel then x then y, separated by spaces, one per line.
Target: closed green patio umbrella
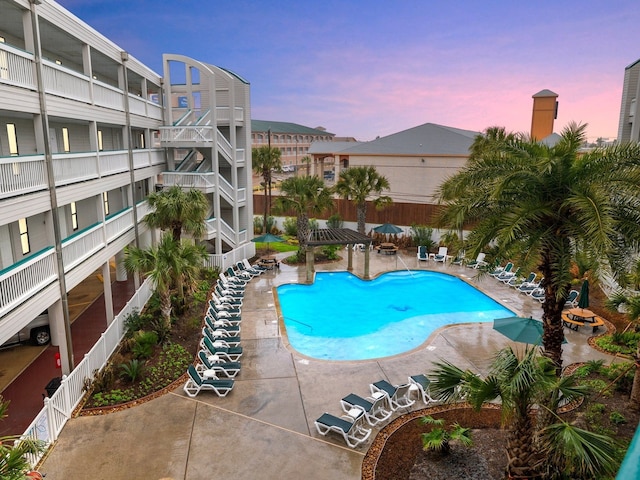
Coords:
pixel 583 300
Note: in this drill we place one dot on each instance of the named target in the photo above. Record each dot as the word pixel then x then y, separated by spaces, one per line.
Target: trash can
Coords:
pixel 53 385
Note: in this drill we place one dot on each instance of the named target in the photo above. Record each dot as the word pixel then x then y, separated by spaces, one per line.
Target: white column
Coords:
pixel 121 272
pixel 106 284
pixel 57 329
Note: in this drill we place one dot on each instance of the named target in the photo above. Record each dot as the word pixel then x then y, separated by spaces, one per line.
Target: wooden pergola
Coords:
pixel 336 236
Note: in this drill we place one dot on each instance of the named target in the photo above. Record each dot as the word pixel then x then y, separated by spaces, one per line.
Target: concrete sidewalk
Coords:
pixel 264 429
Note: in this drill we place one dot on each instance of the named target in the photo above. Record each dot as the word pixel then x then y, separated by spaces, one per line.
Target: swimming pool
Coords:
pixel 341 317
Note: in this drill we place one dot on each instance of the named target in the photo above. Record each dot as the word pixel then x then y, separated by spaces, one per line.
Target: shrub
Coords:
pixel 439 438
pixel 617 418
pixel 290 226
pixel 131 370
pixel 144 343
pixel 134 322
pixel 619 342
pixel 331 251
pixel 335 221
pixel 422 235
pixel 313 224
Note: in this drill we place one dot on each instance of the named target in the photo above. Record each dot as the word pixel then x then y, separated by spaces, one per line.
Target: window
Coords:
pixel 65 139
pixel 24 236
pixel 105 201
pixel 100 147
pixel 13 139
pixel 74 216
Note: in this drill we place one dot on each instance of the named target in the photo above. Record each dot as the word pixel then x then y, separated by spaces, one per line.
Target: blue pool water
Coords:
pixel 341 317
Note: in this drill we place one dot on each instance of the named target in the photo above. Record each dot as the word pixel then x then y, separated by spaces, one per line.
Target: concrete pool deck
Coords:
pixel 264 428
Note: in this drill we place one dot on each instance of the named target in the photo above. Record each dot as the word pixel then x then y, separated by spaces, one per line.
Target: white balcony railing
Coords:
pixel 64 82
pixel 16 67
pixel 74 167
pixel 21 175
pixel 81 246
pixel 107 96
pixel 113 162
pixel 137 105
pixel 23 279
pixel 119 223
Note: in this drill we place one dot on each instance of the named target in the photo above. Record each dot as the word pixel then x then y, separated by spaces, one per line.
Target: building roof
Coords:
pixel 427 139
pixel 285 127
pixel 336 236
pixel 551 140
pixel 545 93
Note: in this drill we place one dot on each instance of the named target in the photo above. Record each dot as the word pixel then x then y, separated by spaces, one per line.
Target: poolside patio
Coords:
pixel 264 428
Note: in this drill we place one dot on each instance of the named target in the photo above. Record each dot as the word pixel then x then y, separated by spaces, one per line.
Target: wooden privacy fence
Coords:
pixel 397 213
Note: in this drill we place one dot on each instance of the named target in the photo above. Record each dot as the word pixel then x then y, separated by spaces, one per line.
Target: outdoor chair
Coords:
pixel 398 395
pixel 233 280
pixel 196 383
pixel 231 354
pixel 228 293
pixel 244 276
pixel 228 339
pixel 498 270
pixel 215 363
pixel 376 408
pixel 350 427
pixel 258 268
pixel 478 262
pixel 441 256
pixel 232 301
pixel 421 383
pixel 422 254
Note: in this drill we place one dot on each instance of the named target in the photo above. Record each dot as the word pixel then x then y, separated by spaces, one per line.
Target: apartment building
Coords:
pixel 84 138
pixel 629 125
pixel 292 139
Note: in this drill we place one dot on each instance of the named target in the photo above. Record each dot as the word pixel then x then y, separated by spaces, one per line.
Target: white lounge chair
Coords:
pixel 195 384
pixel 441 256
pixel 215 363
pixel 422 254
pixel 421 383
pixel 398 395
pixel 376 408
pixel 505 277
pixel 499 270
pixel 351 427
pixel 478 262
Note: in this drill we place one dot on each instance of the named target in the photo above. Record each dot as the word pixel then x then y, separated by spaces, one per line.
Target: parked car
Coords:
pixel 37 332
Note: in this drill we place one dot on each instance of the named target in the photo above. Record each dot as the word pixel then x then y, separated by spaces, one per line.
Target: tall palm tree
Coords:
pixel 305 196
pixel 539 443
pixel 538 204
pixel 360 183
pixel 306 161
pixel 168 265
pixel 265 159
pixel 178 211
pixel 632 307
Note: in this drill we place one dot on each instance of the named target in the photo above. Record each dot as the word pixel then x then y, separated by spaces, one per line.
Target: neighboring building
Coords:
pixel 545 112
pixel 629 126
pixel 292 139
pixel 81 131
pixel 415 161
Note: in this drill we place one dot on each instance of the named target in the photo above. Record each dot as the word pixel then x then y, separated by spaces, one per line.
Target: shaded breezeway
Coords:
pixel 264 428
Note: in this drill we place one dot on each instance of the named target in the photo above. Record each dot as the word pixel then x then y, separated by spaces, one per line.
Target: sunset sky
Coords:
pixel 370 68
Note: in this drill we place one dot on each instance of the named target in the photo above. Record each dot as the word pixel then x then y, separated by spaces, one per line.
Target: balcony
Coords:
pixel 25 279
pixel 27 173
pixel 207 183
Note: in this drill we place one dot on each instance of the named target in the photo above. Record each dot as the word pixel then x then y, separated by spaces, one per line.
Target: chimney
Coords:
pixel 545 111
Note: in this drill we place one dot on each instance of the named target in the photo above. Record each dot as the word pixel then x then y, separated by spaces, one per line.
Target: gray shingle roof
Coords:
pixel 427 139
pixel 285 127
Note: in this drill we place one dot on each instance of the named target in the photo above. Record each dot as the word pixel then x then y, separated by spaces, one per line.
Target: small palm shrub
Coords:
pixel 439 438
pixel 335 221
pixel 144 343
pixel 131 370
pixel 331 251
pixel 422 235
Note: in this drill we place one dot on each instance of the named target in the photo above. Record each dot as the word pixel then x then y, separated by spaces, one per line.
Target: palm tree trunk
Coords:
pixel 303 229
pixel 553 332
pixel 634 399
pixel 523 458
pixel 264 220
pixel 361 213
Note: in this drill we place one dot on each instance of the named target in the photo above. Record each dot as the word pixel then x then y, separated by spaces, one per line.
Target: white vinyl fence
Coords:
pixel 58 409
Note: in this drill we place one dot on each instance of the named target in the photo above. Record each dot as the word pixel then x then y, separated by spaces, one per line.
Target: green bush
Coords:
pixel 131 370
pixel 422 235
pixel 331 251
pixel 335 221
pixel 144 343
pixel 135 322
pixel 617 418
pixel 290 226
pixel 624 343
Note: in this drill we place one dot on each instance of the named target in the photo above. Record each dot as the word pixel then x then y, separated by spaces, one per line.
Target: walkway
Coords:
pixel 264 428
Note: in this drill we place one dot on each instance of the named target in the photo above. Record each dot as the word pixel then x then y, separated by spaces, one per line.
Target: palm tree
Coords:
pixel 539 204
pixel 632 307
pixel 13 451
pixel 265 159
pixel 305 196
pixel 169 264
pixel 358 184
pixel 529 393
pixel 306 160
pixel 178 211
